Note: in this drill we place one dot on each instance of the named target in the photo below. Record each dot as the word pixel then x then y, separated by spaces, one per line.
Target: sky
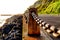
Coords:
pixel 15 6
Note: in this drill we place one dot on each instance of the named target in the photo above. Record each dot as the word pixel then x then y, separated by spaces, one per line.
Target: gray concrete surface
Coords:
pixel 53 20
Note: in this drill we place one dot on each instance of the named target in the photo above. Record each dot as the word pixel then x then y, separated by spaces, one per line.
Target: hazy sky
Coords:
pixel 14 6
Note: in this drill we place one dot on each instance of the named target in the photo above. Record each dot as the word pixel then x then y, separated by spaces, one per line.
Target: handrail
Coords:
pixel 49 28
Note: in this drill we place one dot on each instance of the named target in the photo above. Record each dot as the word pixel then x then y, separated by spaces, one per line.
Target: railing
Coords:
pixel 55 32
pixel 50 29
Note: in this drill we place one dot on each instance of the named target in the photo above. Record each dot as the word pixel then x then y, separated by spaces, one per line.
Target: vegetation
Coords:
pixel 48 6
